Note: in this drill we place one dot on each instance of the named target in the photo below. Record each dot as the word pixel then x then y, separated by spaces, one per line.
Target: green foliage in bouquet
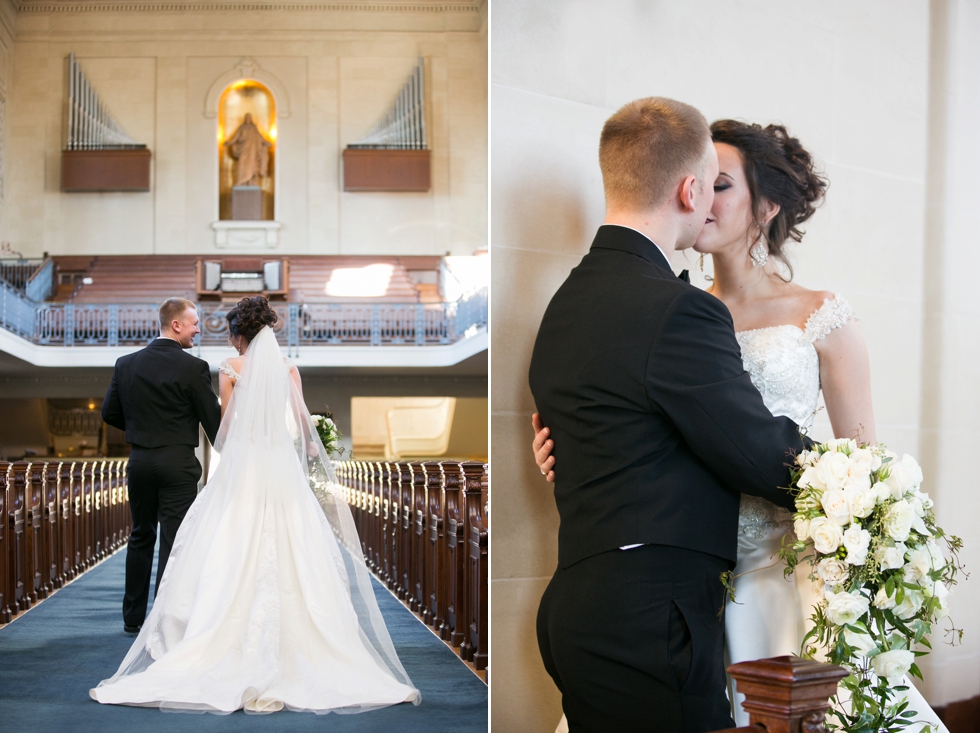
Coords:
pixel 875 553
pixel 330 435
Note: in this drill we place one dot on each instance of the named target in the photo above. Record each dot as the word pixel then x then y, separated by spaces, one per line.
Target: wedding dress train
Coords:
pixel 266 602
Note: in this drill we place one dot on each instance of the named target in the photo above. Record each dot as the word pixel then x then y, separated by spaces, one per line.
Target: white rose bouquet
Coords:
pixel 871 538
pixel 329 434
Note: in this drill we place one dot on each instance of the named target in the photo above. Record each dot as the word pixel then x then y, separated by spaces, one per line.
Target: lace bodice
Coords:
pixel 229 371
pixel 783 364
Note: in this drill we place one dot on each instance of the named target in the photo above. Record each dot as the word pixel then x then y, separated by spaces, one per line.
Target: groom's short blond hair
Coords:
pixel 173 308
pixel 648 147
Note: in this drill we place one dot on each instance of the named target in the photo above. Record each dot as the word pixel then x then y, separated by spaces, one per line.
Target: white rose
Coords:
pixel 903 476
pixel 893 665
pixel 911 604
pixel 832 571
pixel 826 535
pixel 857 540
pixel 881 492
pixel 898 520
pixel 914 470
pixel 845 608
pixel 836 505
pixel 883 600
pixel 862 643
pixel 921 560
pixel 891 558
pixel 809 479
pixel 938 560
pixel 802 527
pixel 862 502
pixel 923 498
pixel 861 461
pixel 831 470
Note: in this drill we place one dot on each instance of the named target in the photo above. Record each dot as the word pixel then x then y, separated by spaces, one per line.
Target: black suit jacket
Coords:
pixel 657 426
pixel 160 394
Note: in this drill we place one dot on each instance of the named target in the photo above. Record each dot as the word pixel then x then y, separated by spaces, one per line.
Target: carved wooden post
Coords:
pixel 787 694
pixel 127 515
pixel 115 518
pixel 66 553
pixel 404 530
pixel 420 506
pixel 394 527
pixel 37 586
pixel 78 517
pixel 88 515
pixel 6 591
pixel 454 624
pixel 384 511
pixel 18 563
pixel 476 532
pixel 374 510
pixel 436 566
pixel 52 525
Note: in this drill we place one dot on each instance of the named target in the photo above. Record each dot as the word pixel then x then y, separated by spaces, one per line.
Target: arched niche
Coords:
pixel 247 68
pixel 240 98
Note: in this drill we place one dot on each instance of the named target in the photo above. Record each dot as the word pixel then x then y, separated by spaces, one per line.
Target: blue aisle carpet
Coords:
pixel 50 658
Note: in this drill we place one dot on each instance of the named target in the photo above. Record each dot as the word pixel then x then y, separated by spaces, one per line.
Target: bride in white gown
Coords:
pixel 266 602
pixel 794 343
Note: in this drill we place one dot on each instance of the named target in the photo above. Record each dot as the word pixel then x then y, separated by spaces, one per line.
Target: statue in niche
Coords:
pixel 251 150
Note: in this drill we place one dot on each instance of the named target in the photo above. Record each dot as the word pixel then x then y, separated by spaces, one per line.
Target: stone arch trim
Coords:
pixel 247 68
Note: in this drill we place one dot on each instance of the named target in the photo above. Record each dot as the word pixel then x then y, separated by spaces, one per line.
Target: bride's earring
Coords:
pixel 759 254
pixel 707 278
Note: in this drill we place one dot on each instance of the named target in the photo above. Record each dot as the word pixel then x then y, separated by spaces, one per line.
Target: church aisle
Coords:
pixel 50 657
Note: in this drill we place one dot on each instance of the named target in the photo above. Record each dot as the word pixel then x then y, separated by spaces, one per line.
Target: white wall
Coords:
pixel 340 69
pixel 852 81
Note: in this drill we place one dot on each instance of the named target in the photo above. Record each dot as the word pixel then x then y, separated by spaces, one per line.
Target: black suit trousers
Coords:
pixel 162 487
pixel 635 641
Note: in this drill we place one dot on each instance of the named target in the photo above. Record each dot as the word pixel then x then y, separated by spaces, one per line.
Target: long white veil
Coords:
pixel 266 427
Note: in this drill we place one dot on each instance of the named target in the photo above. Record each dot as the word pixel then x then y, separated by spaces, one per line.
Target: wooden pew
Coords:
pixel 419 506
pixel 52 536
pixel 35 531
pixel 477 539
pixel 66 521
pixel 78 520
pixel 435 545
pixel 18 563
pixel 455 556
pixel 6 591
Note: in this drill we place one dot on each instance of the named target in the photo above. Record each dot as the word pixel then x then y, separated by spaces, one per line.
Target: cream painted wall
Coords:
pixel 852 81
pixel 340 69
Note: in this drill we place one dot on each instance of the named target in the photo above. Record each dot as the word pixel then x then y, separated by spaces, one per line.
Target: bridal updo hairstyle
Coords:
pixel 779 170
pixel 250 316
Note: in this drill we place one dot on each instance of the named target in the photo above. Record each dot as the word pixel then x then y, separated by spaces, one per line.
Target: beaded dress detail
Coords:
pixel 784 367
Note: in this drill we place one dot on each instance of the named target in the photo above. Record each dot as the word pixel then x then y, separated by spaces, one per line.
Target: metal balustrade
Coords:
pixel 300 324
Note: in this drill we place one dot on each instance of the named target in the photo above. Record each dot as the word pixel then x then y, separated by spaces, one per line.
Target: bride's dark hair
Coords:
pixel 250 316
pixel 778 169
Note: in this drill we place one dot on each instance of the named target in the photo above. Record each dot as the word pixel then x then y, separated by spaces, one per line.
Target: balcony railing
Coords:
pixel 300 324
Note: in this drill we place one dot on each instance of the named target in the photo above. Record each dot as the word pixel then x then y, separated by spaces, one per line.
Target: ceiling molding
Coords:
pixel 74 6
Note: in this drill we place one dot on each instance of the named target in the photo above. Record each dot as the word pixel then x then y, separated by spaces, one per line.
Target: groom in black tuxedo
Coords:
pixel 158 396
pixel 640 379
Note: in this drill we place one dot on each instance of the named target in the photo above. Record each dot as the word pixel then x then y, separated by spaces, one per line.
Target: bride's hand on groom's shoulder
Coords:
pixel 542 447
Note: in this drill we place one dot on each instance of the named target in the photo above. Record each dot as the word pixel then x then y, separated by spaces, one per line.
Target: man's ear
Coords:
pixel 687 193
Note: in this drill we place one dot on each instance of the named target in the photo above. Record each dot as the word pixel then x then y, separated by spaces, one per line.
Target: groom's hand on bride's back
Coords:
pixel 542 447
